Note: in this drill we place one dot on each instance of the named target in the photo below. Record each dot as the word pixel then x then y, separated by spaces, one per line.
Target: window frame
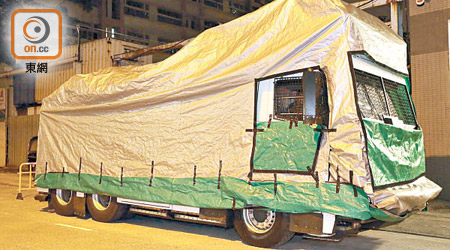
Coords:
pixel 322 105
pixel 389 70
pixel 277 114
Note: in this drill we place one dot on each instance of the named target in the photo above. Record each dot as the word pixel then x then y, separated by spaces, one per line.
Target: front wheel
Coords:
pixel 105 208
pixel 262 228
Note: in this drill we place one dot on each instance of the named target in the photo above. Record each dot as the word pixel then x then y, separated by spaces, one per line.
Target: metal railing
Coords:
pixel 30 172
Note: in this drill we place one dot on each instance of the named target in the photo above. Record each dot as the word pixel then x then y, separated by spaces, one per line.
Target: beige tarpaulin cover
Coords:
pixel 194 107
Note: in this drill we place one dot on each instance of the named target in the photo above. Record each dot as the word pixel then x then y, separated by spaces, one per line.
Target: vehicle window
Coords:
pixel 398 102
pixel 288 101
pixel 371 98
pixel 379 97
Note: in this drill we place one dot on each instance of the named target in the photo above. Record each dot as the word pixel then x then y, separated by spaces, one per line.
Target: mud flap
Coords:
pixel 313 223
pixel 221 216
pixel 79 205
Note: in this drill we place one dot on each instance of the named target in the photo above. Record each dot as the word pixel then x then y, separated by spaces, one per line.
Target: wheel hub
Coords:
pixel 101 202
pixel 63 196
pixel 258 220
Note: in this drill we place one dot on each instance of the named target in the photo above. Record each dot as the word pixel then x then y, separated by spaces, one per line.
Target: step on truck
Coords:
pixel 295 118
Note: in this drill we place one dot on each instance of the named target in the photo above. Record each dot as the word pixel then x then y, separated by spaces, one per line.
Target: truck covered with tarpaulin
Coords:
pixel 298 108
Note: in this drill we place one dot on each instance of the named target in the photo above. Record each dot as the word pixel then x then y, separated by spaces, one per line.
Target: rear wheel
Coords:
pixel 62 202
pixel 262 228
pixel 105 208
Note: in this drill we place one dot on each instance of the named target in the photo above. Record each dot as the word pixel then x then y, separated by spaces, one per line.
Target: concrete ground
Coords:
pixel 26 224
pixel 434 222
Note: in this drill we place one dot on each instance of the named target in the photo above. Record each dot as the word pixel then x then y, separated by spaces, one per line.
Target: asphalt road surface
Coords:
pixel 26 224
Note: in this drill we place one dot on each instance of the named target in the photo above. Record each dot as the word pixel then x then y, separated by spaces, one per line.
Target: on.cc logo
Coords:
pixel 36 34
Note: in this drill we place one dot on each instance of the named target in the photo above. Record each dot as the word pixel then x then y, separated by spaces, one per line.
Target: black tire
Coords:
pixel 103 211
pixel 276 235
pixel 62 201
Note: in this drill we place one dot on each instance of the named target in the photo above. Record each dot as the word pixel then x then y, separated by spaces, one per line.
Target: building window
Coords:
pixel 379 97
pixel 139 37
pixel 136 13
pixel 170 17
pixel 113 32
pixel 236 8
pixel 210 24
pixel 218 4
pixel 137 4
pixel 135 34
pixel 115 13
pixel 288 99
pixel 136 8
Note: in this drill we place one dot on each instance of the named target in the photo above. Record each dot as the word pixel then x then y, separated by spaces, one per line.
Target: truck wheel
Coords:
pixel 105 208
pixel 62 201
pixel 262 228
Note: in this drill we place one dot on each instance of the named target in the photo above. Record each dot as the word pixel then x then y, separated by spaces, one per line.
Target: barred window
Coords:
pixel 288 102
pixel 398 101
pixel 371 98
pixel 379 97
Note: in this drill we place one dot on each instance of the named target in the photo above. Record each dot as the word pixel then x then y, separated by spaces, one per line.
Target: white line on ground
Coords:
pixel 81 228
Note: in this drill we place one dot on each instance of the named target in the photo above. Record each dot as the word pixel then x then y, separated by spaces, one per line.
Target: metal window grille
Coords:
pixel 288 103
pixel 371 99
pixel 398 101
pixel 378 97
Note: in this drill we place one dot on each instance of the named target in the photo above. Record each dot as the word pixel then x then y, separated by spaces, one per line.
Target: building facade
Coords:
pixel 430 75
pixel 147 22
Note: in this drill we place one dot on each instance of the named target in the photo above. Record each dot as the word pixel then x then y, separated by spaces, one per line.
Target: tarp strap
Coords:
pixel 338 182
pixel 195 173
pixel 62 174
pixel 121 176
pixel 101 173
pixel 355 193
pixel 45 173
pixel 275 184
pixel 314 175
pixel 250 177
pixel 270 121
pixel 250 130
pixel 151 175
pixel 325 130
pixel 317 179
pixel 291 122
pixel 79 171
pixel 220 173
pixel 233 207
